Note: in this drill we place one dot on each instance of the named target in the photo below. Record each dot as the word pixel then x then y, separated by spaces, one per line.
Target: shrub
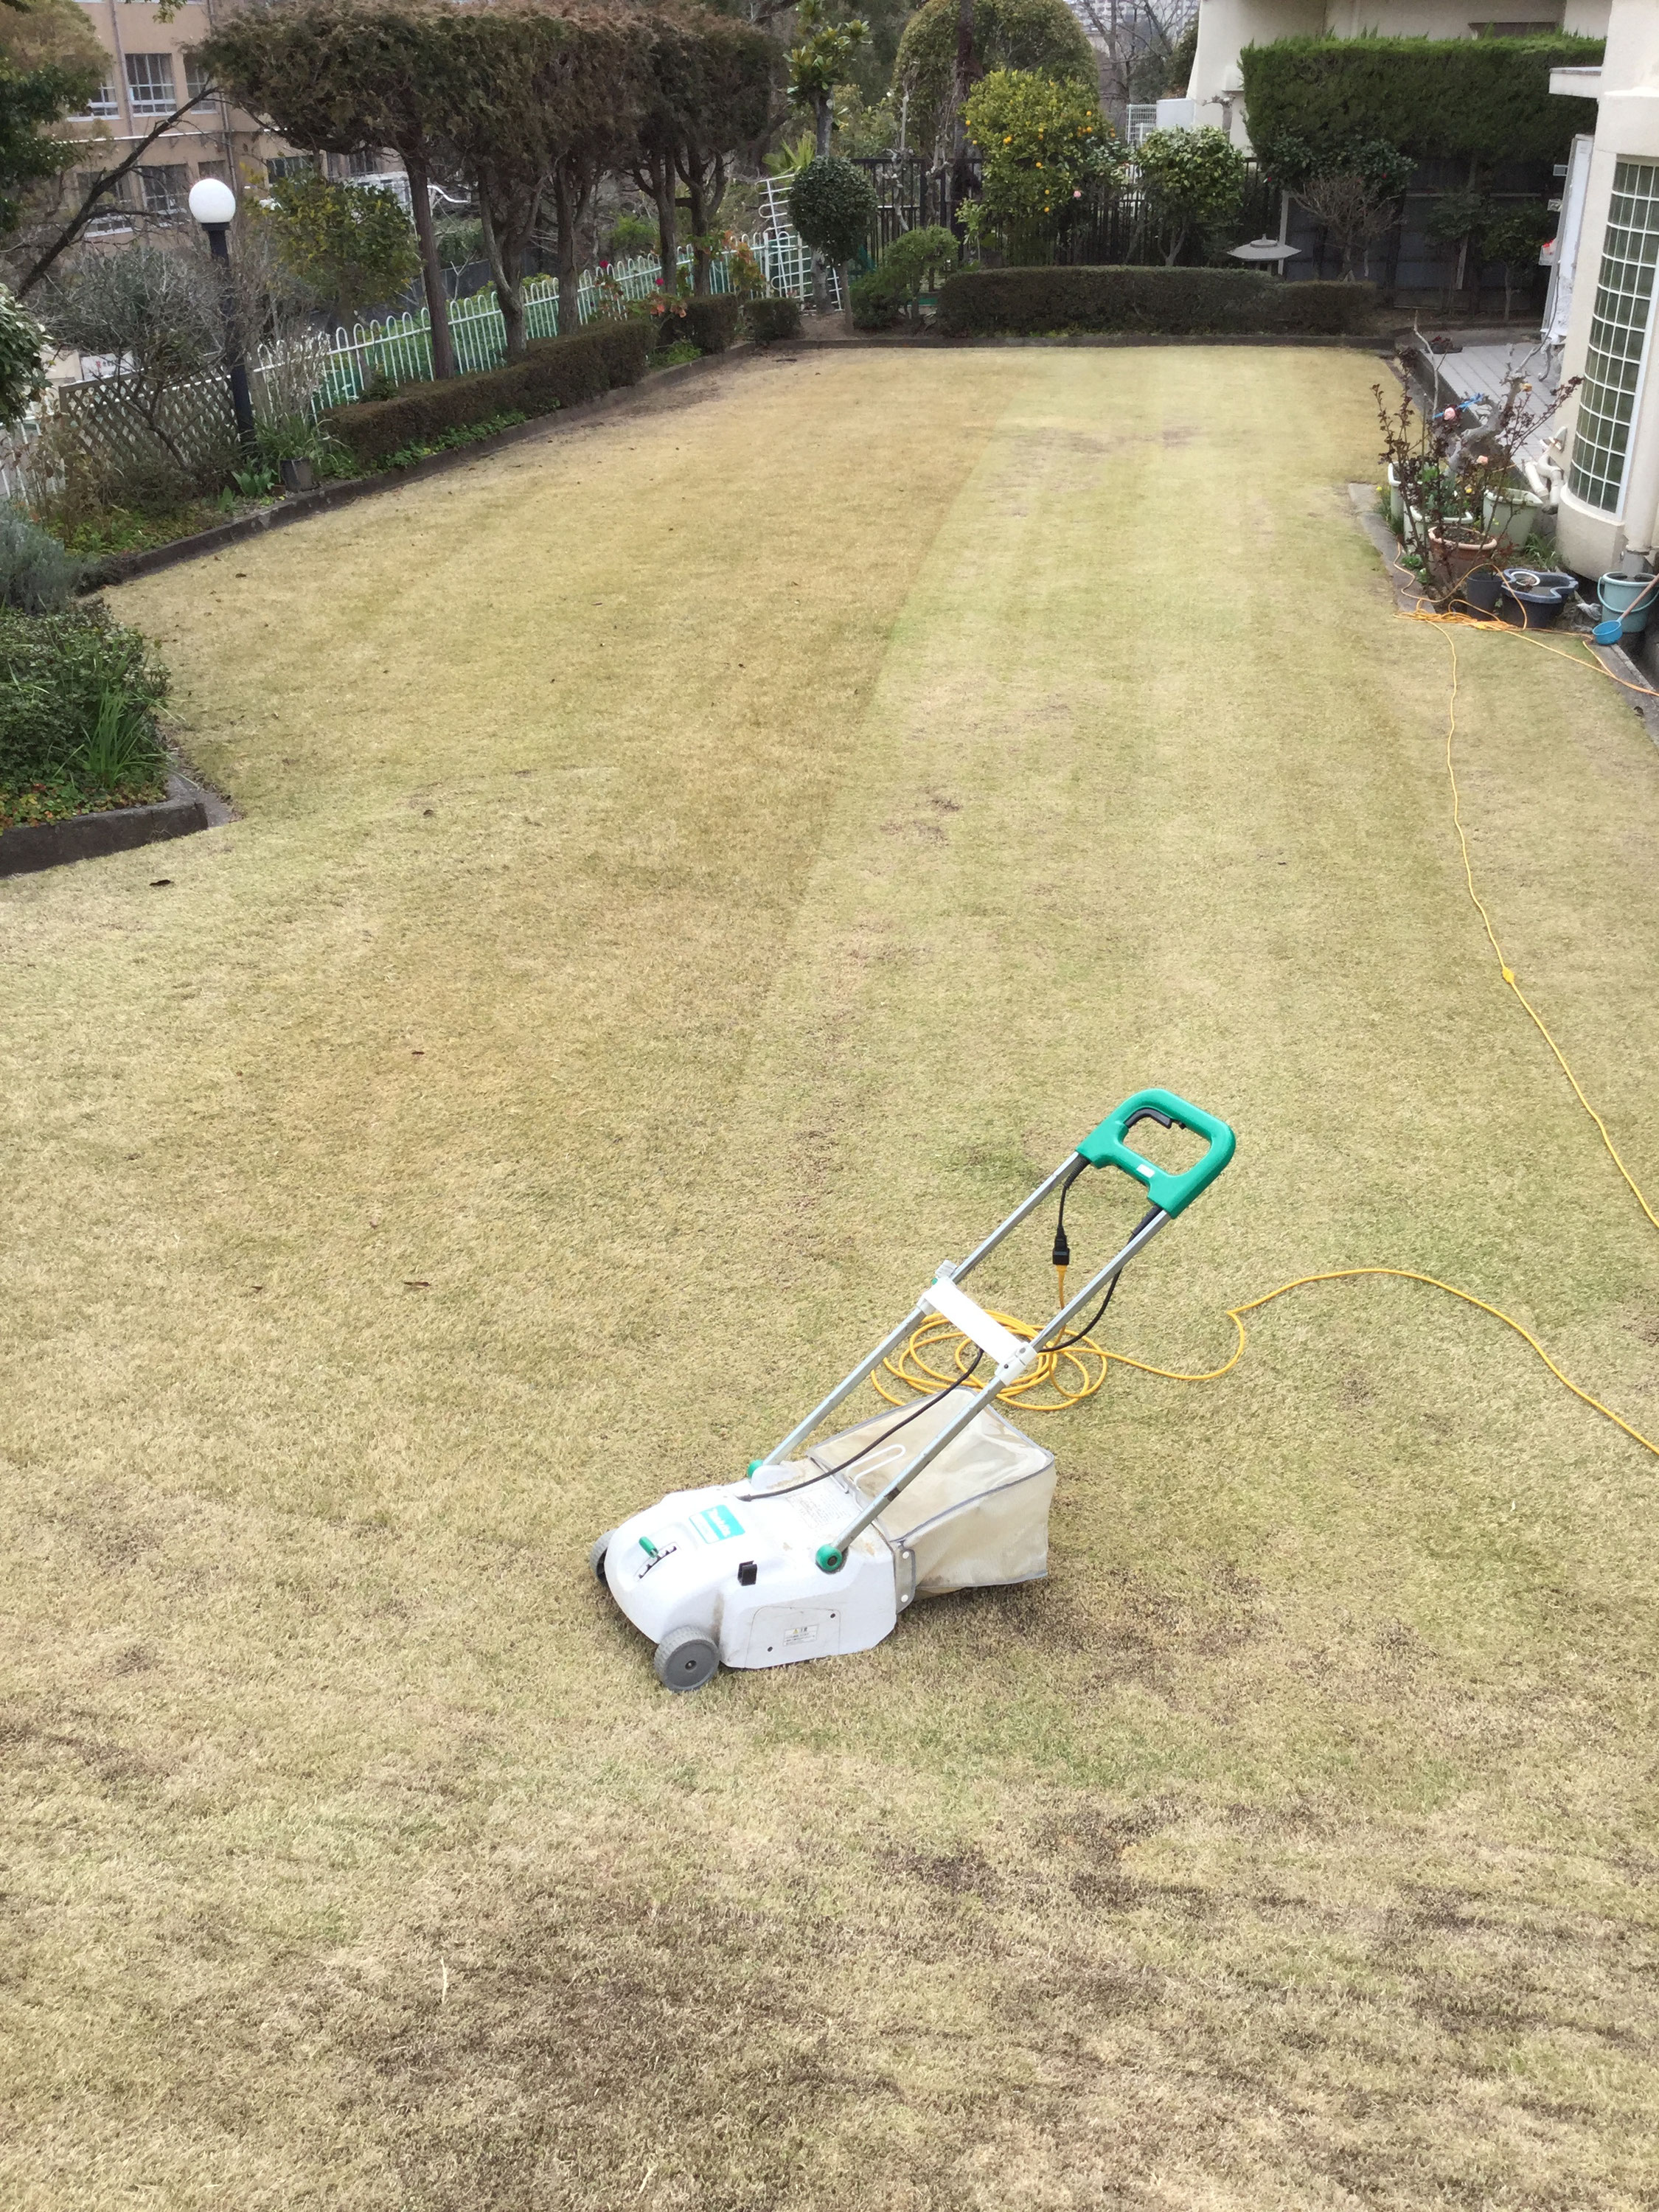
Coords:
pixel 37 574
pixel 78 700
pixel 876 303
pixel 711 324
pixel 1040 144
pixel 23 379
pixel 912 263
pixel 1435 99
pixel 1042 35
pixel 1162 302
pixel 555 373
pixel 833 205
pixel 351 245
pixel 1196 179
pixel 768 320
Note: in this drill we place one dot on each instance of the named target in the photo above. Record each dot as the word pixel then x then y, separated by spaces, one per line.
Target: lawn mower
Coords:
pixel 810 1557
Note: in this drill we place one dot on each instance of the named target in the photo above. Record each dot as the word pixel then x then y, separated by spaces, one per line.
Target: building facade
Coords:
pixel 151 73
pixel 1610 502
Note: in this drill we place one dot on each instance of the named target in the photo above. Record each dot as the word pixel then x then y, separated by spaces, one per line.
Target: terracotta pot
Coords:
pixel 1456 552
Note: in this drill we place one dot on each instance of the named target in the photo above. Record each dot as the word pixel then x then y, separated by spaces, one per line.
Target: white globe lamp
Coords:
pixel 212 203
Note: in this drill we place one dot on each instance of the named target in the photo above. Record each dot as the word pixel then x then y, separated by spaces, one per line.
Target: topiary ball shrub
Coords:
pixel 770 320
pixel 833 205
pixel 876 304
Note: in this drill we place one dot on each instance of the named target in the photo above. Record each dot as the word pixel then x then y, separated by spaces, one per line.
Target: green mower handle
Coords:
pixel 1105 1147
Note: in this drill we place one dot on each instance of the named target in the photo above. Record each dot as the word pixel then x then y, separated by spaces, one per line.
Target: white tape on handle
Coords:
pixel 957 1308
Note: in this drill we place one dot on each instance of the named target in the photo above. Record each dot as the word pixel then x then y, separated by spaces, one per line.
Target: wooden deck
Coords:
pixel 1477 371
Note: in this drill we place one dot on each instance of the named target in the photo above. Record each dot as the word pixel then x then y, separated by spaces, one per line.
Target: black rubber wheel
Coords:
pixel 597 1551
pixel 686 1659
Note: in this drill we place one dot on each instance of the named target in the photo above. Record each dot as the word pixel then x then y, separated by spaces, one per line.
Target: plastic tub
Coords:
pixel 1534 597
pixel 1629 598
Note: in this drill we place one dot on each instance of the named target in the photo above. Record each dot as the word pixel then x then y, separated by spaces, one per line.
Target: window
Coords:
pixel 166 189
pixel 365 162
pixel 196 77
pixel 149 84
pixel 291 165
pixel 112 215
pixel 1619 337
pixel 212 169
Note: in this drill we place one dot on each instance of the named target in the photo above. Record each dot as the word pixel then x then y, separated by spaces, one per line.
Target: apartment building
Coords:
pixel 152 71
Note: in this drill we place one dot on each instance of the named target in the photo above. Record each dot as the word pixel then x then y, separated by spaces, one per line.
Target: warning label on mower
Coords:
pixel 714 1525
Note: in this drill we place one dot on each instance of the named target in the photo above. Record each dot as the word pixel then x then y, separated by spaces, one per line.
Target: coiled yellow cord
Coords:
pixel 918 1373
pixel 1068 1376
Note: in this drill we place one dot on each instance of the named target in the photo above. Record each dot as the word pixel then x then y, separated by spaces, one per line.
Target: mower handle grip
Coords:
pixel 1104 1146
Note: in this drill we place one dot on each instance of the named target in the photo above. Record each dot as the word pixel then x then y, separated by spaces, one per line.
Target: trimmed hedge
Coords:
pixel 770 320
pixel 555 373
pixel 1156 303
pixel 1435 99
pixel 711 322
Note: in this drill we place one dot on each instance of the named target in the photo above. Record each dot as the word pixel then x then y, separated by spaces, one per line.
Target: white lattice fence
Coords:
pixel 400 347
pixel 105 418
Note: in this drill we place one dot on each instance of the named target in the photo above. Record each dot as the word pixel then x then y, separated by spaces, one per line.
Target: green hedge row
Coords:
pixel 712 322
pixel 1153 302
pixel 771 320
pixel 1434 99
pixel 554 373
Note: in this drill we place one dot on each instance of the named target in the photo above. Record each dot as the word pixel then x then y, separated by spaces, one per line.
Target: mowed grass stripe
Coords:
pixel 1290 1846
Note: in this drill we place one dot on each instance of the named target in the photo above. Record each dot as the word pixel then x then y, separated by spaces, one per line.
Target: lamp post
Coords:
pixel 213 204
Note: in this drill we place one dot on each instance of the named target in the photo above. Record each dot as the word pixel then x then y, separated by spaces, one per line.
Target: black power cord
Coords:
pixel 1094 1320
pixel 786 1489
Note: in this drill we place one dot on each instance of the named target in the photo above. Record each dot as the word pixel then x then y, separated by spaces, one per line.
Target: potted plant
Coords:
pixel 1511 511
pixel 1455 478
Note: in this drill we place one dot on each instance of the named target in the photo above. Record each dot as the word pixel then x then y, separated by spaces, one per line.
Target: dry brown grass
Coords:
pixel 694 872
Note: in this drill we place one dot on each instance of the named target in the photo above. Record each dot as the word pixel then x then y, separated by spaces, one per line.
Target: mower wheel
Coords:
pixel 597 1551
pixel 686 1659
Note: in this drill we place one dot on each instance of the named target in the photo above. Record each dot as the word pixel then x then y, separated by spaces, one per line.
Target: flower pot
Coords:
pixel 1454 551
pixel 1511 517
pixel 1630 597
pixel 298 476
pixel 1480 590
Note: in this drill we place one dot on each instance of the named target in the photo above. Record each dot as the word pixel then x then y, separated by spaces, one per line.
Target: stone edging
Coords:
pixel 28 847
pixel 123 568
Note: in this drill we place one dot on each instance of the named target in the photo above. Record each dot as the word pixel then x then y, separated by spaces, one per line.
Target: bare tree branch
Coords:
pixel 103 186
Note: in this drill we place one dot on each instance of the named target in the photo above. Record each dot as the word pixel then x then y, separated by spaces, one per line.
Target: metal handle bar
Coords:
pixel 832 1557
pixel 917 1315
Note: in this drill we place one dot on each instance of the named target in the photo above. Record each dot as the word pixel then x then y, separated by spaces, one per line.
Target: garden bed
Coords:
pixel 122 568
pixel 26 847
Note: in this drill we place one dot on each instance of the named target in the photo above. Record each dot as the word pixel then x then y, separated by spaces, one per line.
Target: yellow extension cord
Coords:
pixel 1076 1373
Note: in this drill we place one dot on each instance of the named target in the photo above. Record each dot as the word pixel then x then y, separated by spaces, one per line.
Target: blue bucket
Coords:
pixel 1618 597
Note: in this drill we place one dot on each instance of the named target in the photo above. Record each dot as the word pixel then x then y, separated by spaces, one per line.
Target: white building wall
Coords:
pixel 1590 538
pixel 1225 28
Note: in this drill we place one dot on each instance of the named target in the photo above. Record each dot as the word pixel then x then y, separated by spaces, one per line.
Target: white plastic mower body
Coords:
pixel 730 1576
pixel 820 1553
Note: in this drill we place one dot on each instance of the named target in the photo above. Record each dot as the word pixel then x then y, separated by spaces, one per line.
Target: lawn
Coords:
pixel 695 871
